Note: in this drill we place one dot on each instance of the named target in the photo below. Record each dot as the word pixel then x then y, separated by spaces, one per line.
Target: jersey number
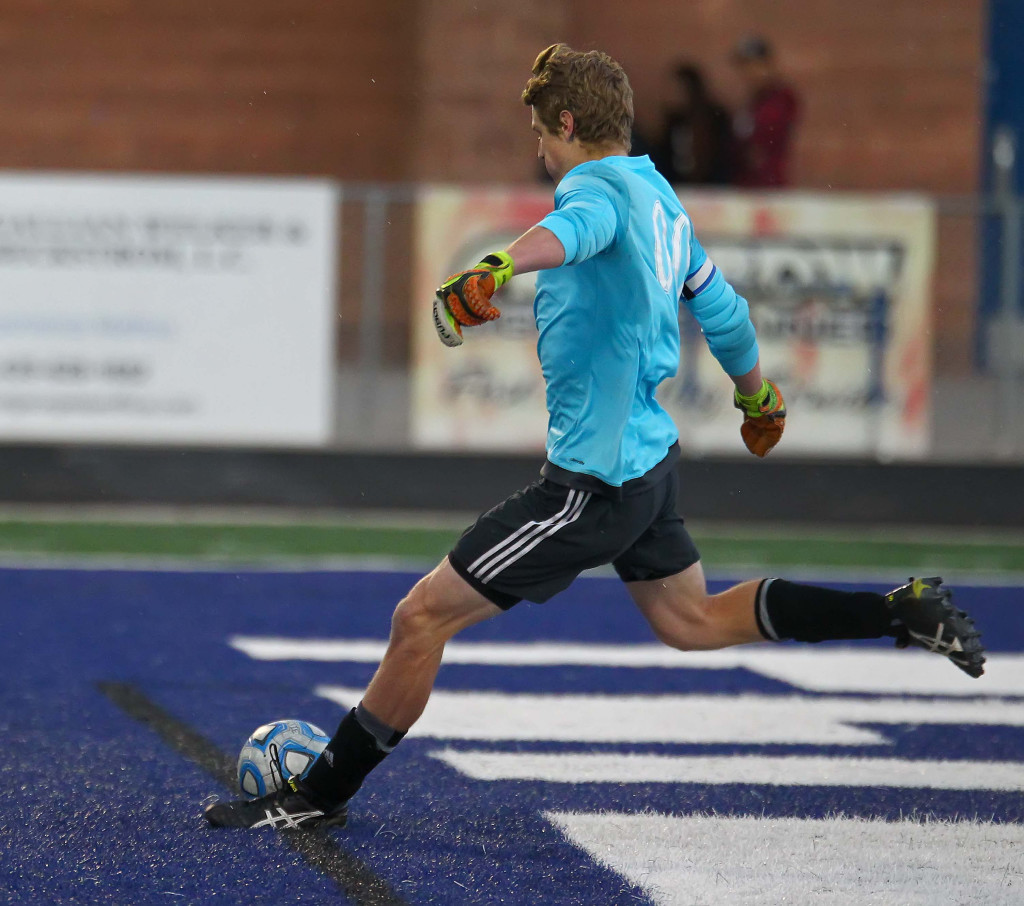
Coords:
pixel 668 251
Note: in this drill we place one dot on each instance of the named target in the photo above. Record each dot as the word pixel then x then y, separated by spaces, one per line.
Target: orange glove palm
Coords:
pixel 464 299
pixel 764 418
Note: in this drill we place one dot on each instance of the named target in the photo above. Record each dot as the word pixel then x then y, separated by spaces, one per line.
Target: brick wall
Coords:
pixel 384 89
pixel 193 86
pixel 474 59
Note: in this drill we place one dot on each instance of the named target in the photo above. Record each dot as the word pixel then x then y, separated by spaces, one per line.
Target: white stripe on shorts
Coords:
pixel 479 562
pixel 526 538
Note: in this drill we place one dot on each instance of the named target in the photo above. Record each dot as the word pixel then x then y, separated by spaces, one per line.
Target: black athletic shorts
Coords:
pixel 534 544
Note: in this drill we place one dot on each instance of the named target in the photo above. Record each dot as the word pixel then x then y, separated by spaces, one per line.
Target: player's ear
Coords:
pixel 567 125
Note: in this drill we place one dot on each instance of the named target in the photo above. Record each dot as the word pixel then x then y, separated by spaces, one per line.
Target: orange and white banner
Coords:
pixel 487 394
pixel 838 286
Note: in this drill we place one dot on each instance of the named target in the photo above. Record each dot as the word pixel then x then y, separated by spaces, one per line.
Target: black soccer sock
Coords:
pixel 360 743
pixel 806 613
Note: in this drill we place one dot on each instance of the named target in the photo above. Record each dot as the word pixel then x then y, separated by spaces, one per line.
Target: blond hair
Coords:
pixel 591 86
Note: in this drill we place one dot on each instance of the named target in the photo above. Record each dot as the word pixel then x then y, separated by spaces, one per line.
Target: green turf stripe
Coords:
pixel 255 542
pixel 221 541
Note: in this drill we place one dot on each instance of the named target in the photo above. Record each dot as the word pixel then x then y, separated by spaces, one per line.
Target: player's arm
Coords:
pixel 583 224
pixel 538 249
pixel 724 318
pixel 750 383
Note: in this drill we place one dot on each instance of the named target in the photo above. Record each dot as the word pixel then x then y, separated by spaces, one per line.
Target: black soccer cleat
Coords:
pixel 294 807
pixel 924 615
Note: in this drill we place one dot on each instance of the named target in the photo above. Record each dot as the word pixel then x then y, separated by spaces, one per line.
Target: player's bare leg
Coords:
pixel 440 605
pixel 684 616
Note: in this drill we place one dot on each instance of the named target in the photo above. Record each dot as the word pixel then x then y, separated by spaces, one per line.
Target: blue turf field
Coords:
pixel 98 808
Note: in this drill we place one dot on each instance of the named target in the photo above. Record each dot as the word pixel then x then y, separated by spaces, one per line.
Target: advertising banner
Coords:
pixel 838 287
pixel 487 394
pixel 166 310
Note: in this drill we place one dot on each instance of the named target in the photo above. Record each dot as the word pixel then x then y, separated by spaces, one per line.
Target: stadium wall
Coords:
pixel 388 91
pixel 383 90
pixel 735 490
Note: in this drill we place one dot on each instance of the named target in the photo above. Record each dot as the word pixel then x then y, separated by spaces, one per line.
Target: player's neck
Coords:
pixel 584 153
pixel 588 152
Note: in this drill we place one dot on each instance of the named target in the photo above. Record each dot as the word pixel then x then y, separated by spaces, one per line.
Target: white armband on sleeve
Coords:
pixel 698 281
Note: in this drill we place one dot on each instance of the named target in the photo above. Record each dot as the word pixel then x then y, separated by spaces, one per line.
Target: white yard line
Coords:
pixel 764 770
pixel 748 719
pixel 852 669
pixel 736 861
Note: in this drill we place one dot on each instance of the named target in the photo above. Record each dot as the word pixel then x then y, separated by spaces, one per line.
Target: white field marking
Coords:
pixel 788 770
pixel 881 671
pixel 682 861
pixel 755 719
pixel 865 670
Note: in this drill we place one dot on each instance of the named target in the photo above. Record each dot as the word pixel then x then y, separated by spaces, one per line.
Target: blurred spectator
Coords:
pixel 764 126
pixel 696 140
pixel 639 145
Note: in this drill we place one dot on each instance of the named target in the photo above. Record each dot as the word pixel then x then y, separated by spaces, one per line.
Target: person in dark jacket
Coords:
pixel 696 141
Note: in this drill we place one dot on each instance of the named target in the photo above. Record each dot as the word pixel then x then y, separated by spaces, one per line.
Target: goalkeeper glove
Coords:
pixel 764 418
pixel 464 299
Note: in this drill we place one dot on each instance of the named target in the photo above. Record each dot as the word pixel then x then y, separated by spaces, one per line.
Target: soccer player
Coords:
pixel 615 257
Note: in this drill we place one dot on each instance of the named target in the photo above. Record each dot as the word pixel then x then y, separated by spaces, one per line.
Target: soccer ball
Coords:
pixel 277 751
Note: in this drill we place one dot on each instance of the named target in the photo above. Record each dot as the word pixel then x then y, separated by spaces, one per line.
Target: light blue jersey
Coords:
pixel 608 317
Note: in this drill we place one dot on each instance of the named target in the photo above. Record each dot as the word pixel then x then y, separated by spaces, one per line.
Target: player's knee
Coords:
pixel 411 620
pixel 416 621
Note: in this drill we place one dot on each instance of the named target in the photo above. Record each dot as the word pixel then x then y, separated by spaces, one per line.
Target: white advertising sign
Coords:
pixel 838 287
pixel 166 310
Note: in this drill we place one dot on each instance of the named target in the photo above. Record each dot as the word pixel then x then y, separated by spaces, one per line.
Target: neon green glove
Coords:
pixel 464 299
pixel 764 418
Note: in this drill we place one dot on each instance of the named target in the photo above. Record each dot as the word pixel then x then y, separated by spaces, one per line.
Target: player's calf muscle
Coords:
pixel 705 628
pixel 688 628
pixel 684 616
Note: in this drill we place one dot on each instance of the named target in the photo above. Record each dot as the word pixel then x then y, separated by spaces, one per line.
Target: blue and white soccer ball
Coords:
pixel 277 751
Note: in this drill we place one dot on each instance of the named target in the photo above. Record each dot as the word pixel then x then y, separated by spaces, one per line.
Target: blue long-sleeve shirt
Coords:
pixel 608 317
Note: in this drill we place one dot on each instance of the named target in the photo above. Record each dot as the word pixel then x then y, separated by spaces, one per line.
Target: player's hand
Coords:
pixel 764 418
pixel 464 299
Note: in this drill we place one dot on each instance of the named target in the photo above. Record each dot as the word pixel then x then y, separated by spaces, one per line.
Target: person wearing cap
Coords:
pixel 765 125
